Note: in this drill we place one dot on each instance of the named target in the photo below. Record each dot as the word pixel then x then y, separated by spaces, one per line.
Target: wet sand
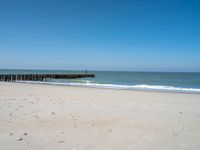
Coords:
pixel 48 117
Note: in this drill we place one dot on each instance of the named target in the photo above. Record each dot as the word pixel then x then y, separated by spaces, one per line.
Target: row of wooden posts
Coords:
pixel 41 77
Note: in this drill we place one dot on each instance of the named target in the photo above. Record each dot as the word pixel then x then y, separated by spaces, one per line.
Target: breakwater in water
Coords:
pixel 41 77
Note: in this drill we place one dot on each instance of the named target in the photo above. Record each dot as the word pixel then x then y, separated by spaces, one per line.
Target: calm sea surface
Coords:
pixel 162 81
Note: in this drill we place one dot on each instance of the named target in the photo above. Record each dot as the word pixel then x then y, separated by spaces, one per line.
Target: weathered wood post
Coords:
pixel 86 73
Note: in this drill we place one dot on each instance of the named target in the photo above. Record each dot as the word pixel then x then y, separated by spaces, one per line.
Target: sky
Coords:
pixel 127 35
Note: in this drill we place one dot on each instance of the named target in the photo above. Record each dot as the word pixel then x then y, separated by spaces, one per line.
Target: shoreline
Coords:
pixel 82 86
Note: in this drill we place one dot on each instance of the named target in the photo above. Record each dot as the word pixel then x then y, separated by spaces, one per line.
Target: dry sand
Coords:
pixel 49 117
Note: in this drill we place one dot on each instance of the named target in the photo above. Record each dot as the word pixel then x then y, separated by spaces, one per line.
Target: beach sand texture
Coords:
pixel 50 117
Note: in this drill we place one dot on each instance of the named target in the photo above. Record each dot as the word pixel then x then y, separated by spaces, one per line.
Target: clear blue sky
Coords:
pixel 145 35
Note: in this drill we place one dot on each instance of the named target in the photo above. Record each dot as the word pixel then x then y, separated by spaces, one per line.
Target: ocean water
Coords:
pixel 156 81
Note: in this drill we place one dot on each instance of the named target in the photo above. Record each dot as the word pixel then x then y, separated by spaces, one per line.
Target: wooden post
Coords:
pixel 86 73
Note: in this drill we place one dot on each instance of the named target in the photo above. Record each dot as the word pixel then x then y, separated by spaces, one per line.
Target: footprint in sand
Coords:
pixel 174 134
pixel 25 134
pixel 36 117
pixel 53 113
pixel 73 117
pixel 19 139
pixel 61 141
pixel 62 132
pixel 10 134
pixel 109 130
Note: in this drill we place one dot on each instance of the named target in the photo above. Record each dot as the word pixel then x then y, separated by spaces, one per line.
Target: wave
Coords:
pixel 116 86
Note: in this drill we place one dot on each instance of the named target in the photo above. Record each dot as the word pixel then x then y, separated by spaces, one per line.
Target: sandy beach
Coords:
pixel 48 117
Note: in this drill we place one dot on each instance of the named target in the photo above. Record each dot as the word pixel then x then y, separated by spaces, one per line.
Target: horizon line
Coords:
pixel 25 69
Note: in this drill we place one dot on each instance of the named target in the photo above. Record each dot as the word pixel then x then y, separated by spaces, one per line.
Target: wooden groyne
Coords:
pixel 41 77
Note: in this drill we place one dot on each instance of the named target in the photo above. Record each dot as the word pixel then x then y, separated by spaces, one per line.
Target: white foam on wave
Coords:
pixel 115 86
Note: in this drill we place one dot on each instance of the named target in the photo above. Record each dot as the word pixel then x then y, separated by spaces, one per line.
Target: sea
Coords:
pixel 187 82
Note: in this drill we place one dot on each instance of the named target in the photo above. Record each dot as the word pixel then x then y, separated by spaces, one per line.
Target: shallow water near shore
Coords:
pixel 159 81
